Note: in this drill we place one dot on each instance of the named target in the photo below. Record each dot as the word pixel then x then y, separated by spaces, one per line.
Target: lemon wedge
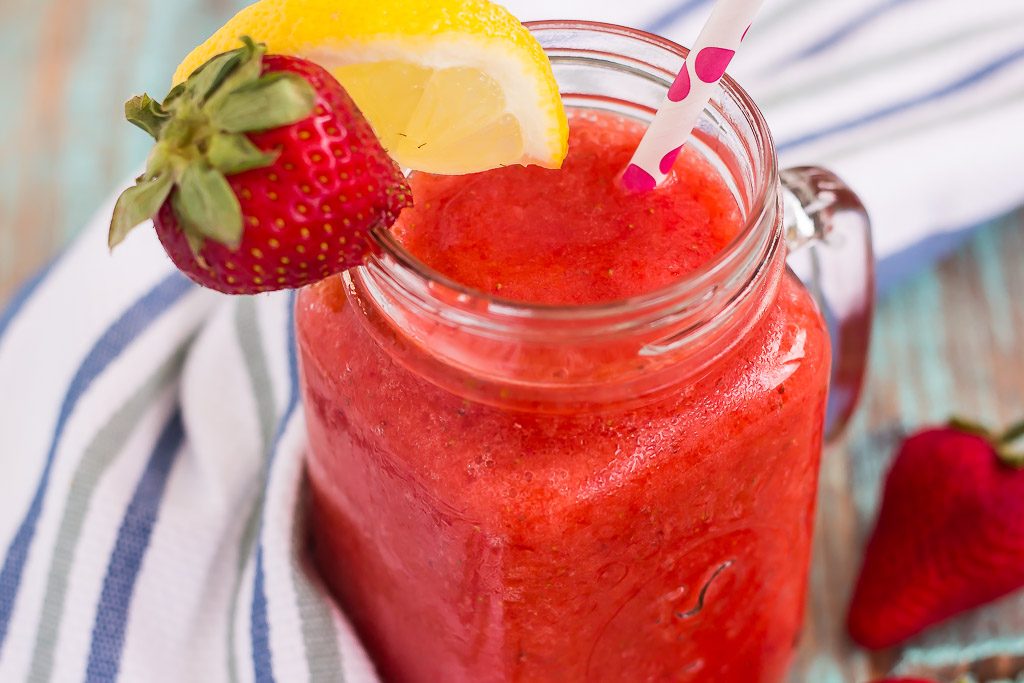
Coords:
pixel 449 86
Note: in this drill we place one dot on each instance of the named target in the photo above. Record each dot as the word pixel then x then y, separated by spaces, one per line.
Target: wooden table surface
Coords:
pixel 947 341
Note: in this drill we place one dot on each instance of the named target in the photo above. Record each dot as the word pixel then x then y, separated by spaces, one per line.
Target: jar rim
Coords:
pixel 399 263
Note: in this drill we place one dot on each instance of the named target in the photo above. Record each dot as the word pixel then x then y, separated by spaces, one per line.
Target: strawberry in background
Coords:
pixel 949 536
pixel 265 175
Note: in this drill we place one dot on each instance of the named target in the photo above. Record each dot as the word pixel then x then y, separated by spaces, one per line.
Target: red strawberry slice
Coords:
pixel 949 536
pixel 265 175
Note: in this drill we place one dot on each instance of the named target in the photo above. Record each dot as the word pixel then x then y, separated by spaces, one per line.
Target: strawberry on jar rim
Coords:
pixel 265 175
pixel 949 536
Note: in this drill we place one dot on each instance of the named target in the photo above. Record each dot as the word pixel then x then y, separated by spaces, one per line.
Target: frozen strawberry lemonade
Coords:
pixel 570 236
pixel 474 542
pixel 559 432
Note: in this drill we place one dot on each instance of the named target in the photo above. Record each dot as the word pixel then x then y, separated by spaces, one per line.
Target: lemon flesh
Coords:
pixel 449 86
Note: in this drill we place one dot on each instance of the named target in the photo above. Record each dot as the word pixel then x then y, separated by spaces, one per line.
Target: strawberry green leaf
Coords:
pixel 179 133
pixel 1011 446
pixel 1013 433
pixel 275 100
pixel 195 243
pixel 138 204
pixel 206 202
pixel 246 72
pixel 232 153
pixel 175 93
pixel 147 114
pixel 970 427
pixel 207 78
pixel 1011 458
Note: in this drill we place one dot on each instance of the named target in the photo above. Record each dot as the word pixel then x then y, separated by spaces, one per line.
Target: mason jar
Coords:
pixel 619 492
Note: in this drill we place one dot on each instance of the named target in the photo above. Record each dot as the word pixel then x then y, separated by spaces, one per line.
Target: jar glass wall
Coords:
pixel 621 492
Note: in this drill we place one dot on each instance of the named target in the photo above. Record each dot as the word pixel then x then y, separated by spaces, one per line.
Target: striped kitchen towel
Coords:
pixel 917 104
pixel 151 434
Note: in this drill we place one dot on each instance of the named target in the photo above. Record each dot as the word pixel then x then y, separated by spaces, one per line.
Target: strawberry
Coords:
pixel 949 536
pixel 265 175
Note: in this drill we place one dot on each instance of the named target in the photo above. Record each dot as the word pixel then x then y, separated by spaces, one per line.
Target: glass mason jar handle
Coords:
pixel 829 238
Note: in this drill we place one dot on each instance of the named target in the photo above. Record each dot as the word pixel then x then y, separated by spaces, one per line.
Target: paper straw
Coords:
pixel 689 94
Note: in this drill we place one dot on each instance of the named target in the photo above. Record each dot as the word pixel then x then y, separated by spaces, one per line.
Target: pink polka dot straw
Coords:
pixel 689 93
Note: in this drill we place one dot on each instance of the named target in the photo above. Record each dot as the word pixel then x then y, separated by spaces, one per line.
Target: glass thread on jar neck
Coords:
pixel 453 334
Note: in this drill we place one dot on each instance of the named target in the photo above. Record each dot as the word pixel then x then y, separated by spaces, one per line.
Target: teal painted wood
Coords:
pixel 68 65
pixel 952 340
pixel 948 341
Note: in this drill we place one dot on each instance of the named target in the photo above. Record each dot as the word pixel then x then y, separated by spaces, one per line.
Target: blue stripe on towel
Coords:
pixel 129 550
pixel 971 78
pixel 847 29
pixel 664 21
pixel 113 342
pixel 895 269
pixel 21 297
pixel 262 660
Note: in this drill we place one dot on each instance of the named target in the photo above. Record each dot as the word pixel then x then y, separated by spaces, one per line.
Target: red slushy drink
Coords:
pixel 480 524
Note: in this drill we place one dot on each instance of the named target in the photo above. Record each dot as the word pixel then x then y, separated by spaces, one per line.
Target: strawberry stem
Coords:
pixel 1011 446
pixel 1010 458
pixel 200 131
pixel 970 427
pixel 1013 433
pixel 1008 445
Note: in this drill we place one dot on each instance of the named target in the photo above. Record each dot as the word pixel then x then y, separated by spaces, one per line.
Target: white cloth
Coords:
pixel 917 104
pixel 151 438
